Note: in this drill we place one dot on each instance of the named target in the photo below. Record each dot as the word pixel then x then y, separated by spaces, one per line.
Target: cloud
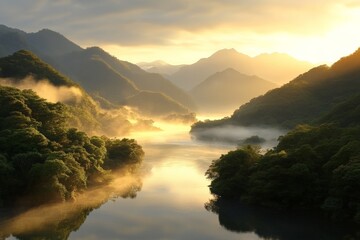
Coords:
pixel 157 22
pixel 45 89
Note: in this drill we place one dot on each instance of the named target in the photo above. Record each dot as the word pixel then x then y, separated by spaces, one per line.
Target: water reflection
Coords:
pixel 57 221
pixel 169 205
pixel 276 225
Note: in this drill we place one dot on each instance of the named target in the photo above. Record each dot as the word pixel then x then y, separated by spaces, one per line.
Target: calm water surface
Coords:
pixel 171 203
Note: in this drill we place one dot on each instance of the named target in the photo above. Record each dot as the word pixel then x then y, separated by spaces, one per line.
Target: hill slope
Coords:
pixel 51 43
pixel 304 99
pixel 345 114
pixel 141 79
pixel 155 104
pixel 96 76
pixel 228 89
pixel 96 70
pixel 25 70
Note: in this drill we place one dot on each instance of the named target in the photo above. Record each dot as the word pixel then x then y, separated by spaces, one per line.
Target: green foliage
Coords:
pixel 315 167
pixel 82 113
pixel 42 158
pixel 254 140
pixel 19 64
pixel 306 99
pixel 230 173
pixel 120 153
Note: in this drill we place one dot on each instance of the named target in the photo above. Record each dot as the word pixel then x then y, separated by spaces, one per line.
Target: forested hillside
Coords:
pixel 304 100
pixel 43 160
pixel 312 167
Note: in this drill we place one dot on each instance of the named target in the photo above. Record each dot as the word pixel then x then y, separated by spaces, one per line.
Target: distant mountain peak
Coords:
pixel 45 32
pixel 229 70
pixel 226 52
pixel 94 50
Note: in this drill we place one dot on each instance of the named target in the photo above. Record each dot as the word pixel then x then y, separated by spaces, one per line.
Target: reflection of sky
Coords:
pixel 171 202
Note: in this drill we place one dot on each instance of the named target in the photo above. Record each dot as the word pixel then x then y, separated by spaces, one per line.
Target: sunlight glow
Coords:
pixel 330 43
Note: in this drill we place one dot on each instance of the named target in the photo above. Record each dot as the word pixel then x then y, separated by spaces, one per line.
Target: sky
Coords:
pixel 183 31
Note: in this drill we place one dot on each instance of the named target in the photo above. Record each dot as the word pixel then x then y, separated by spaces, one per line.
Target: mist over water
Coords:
pixel 171 195
pixel 239 135
pixel 51 218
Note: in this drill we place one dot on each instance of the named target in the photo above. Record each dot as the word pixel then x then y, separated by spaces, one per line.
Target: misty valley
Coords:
pixel 229 147
pixel 168 198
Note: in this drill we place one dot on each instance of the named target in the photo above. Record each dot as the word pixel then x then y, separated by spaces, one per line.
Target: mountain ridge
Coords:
pixel 226 90
pixel 305 99
pixel 263 65
pixel 57 50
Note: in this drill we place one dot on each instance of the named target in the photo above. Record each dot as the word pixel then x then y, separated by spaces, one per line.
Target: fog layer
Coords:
pixel 45 89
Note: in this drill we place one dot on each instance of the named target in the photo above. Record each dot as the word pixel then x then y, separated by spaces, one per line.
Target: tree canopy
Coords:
pixel 43 160
pixel 312 167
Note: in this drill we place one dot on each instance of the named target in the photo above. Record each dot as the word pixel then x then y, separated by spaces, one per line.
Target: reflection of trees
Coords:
pixel 273 224
pixel 57 221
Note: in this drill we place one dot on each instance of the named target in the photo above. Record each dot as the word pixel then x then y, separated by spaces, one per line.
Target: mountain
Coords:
pixel 160 67
pixel 24 63
pixel 25 70
pixel 128 72
pixel 228 89
pixel 155 104
pixel 123 83
pixel 12 40
pixel 51 43
pixel 43 43
pixel 277 68
pixel 313 167
pixel 96 75
pixel 304 100
pixel 97 71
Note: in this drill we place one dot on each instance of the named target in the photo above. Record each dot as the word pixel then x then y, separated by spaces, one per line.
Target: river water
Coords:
pixel 170 205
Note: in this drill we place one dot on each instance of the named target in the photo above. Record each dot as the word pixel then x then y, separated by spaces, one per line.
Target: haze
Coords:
pixel 215 119
pixel 182 31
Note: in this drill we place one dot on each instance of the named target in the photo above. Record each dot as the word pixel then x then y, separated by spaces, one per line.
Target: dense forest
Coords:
pixel 43 160
pixel 313 167
pixel 24 70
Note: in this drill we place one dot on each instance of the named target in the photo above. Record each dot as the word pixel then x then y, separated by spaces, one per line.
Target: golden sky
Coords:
pixel 182 31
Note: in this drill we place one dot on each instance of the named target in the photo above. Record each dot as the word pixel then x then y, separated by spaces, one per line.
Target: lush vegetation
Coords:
pixel 83 112
pixel 43 160
pixel 313 167
pixel 97 71
pixel 23 63
pixel 303 100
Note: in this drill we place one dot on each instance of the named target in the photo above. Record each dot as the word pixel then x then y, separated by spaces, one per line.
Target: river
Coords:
pixel 170 205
